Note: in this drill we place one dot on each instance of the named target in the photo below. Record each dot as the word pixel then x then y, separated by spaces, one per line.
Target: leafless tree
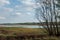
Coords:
pixel 47 15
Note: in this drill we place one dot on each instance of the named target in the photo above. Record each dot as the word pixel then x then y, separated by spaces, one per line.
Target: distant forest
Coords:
pixel 32 23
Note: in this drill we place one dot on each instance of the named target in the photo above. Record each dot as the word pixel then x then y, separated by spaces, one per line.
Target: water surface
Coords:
pixel 22 26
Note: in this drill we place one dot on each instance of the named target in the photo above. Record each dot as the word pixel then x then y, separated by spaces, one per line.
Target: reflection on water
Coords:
pixel 22 26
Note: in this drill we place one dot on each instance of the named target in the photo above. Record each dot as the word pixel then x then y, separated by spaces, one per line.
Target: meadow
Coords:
pixel 16 30
pixel 17 33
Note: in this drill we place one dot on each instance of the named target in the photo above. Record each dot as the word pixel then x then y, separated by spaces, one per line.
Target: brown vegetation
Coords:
pixel 23 34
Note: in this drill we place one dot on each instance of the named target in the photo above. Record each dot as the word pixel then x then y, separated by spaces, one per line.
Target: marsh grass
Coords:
pixel 12 33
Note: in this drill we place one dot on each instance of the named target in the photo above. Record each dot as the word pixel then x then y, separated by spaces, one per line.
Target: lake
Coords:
pixel 22 26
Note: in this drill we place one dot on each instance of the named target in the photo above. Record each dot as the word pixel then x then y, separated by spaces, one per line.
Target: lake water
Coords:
pixel 22 26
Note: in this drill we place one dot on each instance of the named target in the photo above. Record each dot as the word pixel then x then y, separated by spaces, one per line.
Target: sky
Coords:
pixel 17 11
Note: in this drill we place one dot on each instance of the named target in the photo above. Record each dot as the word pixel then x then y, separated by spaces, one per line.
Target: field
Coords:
pixel 16 33
pixel 13 30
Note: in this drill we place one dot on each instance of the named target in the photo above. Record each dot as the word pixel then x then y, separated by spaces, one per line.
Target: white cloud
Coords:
pixel 29 5
pixel 28 2
pixel 29 13
pixel 18 13
pixel 3 2
pixel 2 17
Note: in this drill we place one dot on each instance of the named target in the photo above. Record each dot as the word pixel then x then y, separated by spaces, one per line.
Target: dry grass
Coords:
pixel 17 30
pixel 12 31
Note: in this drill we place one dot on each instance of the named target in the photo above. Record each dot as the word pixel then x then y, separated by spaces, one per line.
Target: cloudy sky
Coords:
pixel 15 11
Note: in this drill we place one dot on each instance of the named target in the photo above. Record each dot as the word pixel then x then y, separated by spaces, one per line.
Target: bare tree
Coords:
pixel 47 15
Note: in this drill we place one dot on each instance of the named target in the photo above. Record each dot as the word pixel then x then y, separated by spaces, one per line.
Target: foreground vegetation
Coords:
pixel 16 30
pixel 16 33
